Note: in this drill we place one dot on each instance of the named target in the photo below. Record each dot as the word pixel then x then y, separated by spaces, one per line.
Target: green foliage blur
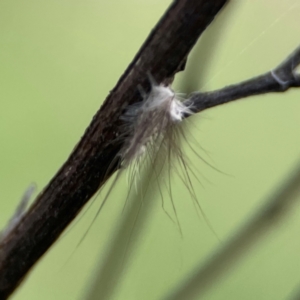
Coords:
pixel 58 62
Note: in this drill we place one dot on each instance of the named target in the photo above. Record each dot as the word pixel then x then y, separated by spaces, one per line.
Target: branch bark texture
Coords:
pixel 94 158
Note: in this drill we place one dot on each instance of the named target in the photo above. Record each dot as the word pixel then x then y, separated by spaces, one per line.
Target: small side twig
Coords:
pixel 278 80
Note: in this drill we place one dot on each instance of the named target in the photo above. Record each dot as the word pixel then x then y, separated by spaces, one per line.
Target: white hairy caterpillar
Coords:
pixel 151 141
pixel 153 124
pixel 150 138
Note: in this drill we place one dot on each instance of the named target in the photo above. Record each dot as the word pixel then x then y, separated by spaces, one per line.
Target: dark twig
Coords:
pixel 95 157
pixel 273 214
pixel 279 80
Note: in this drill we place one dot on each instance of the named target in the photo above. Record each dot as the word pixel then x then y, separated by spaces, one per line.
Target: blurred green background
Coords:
pixel 60 59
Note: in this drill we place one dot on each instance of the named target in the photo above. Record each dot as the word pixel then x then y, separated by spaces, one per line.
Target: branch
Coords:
pixel 95 157
pixel 277 208
pixel 279 80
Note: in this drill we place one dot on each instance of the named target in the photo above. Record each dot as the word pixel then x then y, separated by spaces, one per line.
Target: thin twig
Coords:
pixel 19 212
pixel 278 80
pixel 95 158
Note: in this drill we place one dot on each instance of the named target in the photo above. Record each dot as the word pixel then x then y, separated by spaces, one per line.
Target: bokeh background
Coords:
pixel 58 62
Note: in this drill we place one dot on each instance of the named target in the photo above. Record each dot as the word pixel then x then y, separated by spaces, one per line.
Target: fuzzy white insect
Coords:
pixel 151 138
pixel 153 142
pixel 19 212
pixel 150 121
